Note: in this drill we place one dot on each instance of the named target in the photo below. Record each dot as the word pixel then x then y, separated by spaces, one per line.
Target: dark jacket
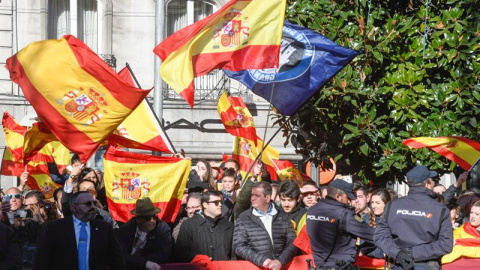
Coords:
pixel 58 247
pixel 203 235
pixel 252 242
pixel 333 230
pixel 297 214
pixel 157 249
pixel 10 258
pixel 242 202
pixel 416 221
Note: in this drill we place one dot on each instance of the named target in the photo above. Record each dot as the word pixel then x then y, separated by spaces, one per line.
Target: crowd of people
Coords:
pixel 228 218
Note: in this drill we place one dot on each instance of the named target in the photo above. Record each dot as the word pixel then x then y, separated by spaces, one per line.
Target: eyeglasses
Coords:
pixel 89 203
pixel 192 208
pixel 313 193
pixel 17 196
pixel 218 202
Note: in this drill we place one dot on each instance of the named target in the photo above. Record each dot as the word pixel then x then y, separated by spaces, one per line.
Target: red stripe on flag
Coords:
pixel 246 162
pixel 51 113
pixel 116 155
pixel 12 168
pixel 188 95
pixel 168 213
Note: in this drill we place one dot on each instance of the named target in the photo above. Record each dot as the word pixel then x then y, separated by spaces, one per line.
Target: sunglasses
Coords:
pixel 308 193
pixel 217 203
pixel 17 196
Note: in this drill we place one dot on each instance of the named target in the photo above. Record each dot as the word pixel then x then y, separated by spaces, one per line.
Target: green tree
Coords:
pixel 418 75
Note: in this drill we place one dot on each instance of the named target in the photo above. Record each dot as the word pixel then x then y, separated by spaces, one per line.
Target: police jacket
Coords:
pixel 252 242
pixel 204 235
pixel 416 221
pixel 333 231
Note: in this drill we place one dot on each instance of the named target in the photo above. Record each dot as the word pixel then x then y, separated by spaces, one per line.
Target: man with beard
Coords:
pixel 80 241
pixel 146 241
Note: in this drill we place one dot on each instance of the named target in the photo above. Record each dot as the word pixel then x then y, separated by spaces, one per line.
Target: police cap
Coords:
pixel 345 186
pixel 419 174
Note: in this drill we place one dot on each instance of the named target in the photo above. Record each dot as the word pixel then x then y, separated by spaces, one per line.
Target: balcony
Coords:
pixel 208 87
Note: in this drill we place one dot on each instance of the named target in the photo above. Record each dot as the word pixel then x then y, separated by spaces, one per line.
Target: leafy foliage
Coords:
pixel 397 89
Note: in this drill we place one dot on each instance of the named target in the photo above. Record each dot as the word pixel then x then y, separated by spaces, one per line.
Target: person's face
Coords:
pixel 288 204
pixel 76 164
pixel 146 224
pixel 377 205
pixel 16 200
pixel 228 183
pixel 192 205
pixel 475 216
pixel 99 175
pixel 439 189
pixel 84 208
pixel 430 184
pixel 231 165
pixel 202 169
pixel 215 173
pixel 360 202
pixel 310 198
pixel 92 176
pixel 213 208
pixel 30 201
pixel 260 201
pixel 87 186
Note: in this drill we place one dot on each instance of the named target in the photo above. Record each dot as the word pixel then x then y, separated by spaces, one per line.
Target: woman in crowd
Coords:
pixel 201 178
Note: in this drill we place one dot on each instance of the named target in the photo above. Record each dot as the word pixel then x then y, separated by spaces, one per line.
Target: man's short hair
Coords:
pixel 35 193
pixel 267 188
pixel 74 198
pixel 229 172
pixel 289 189
pixel 309 183
pixel 195 195
pixel 237 164
pixel 55 193
pixel 359 186
pixel 333 191
pixel 206 195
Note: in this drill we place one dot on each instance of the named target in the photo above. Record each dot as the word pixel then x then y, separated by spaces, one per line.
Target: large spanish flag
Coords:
pixel 14 135
pixel 243 34
pixel 141 129
pixel 74 92
pixel 245 152
pixel 131 176
pixel 236 117
pixel 460 150
pixel 467 244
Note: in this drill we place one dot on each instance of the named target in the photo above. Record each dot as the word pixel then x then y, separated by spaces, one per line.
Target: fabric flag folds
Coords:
pixel 141 129
pixel 287 171
pixel 131 176
pixel 83 102
pixel 243 34
pixel 245 152
pixel 36 137
pixel 462 151
pixel 236 117
pixel 14 136
pixel 308 61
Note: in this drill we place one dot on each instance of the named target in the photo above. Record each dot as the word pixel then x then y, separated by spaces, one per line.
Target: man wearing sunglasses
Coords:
pixel 79 241
pixel 206 233
pixel 16 199
pixel 146 241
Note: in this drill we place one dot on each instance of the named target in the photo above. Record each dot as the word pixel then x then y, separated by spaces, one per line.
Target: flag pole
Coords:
pixel 473 166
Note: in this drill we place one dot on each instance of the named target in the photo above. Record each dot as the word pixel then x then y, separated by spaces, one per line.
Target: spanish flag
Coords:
pixel 236 117
pixel 74 92
pixel 141 129
pixel 36 137
pixel 14 135
pixel 460 150
pixel 11 166
pixel 467 244
pixel 287 171
pixel 131 176
pixel 243 34
pixel 245 152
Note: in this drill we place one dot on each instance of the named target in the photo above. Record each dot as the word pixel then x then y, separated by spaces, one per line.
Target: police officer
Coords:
pixel 333 228
pixel 415 230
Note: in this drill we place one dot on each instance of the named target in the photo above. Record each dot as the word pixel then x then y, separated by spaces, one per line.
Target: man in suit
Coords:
pixel 80 241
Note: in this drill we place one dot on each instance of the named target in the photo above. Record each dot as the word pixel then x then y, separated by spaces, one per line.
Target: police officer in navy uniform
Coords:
pixel 333 228
pixel 416 230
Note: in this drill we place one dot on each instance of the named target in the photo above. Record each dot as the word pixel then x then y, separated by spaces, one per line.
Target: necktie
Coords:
pixel 82 247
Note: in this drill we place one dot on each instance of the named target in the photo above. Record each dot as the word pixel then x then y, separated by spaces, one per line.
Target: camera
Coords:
pixel 24 213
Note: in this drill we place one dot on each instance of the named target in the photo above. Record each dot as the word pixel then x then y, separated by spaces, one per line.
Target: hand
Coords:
pixel 266 263
pixel 36 215
pixel 152 266
pixel 405 259
pixel 275 265
pixel 23 180
pixel 6 206
pixel 461 179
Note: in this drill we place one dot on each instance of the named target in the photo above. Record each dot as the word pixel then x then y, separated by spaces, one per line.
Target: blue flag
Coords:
pixel 308 60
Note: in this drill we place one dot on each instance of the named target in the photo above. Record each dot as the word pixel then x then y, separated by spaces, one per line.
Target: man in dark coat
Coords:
pixel 10 257
pixel 80 240
pixel 145 240
pixel 264 234
pixel 206 233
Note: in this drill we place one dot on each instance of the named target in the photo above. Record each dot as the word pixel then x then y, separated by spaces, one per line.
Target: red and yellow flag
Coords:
pixel 131 176
pixel 36 137
pixel 460 150
pixel 245 152
pixel 243 34
pixel 74 92
pixel 141 129
pixel 11 166
pixel 287 171
pixel 236 117
pixel 14 135
pixel 467 244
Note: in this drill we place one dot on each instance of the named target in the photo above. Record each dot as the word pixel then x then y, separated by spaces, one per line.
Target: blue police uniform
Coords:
pixel 416 221
pixel 333 231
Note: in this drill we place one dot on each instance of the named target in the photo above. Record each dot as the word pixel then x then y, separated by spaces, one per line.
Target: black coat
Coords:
pixel 252 242
pixel 157 249
pixel 200 235
pixel 10 257
pixel 58 247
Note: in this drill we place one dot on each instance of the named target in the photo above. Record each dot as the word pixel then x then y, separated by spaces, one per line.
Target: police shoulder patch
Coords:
pixel 358 218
